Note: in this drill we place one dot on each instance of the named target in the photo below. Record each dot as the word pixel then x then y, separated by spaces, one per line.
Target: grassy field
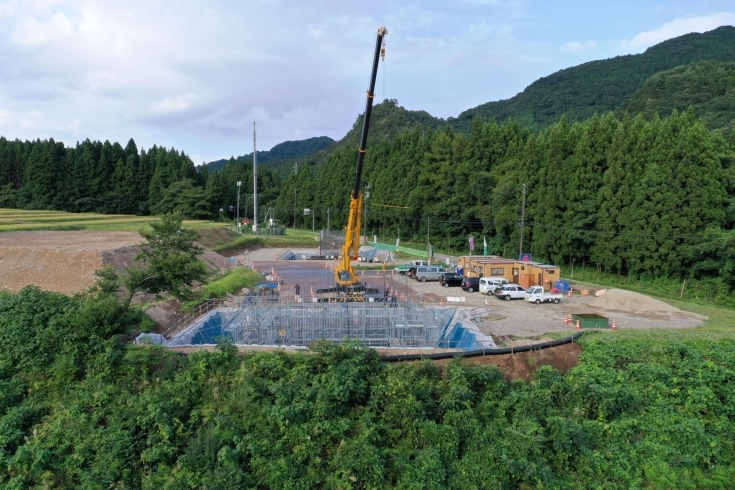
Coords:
pixel 24 220
pixel 293 238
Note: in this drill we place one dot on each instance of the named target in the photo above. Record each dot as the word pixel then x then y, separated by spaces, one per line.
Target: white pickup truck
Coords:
pixel 536 294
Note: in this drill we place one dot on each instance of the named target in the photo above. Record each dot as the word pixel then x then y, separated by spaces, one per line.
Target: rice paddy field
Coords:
pixel 30 220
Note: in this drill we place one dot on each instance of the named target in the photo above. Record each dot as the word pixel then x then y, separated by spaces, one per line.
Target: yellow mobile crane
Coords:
pixel 348 284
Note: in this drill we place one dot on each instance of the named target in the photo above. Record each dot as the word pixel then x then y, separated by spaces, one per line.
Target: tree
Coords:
pixel 168 264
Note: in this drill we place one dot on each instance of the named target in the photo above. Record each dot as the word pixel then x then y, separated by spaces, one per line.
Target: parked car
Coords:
pixel 402 269
pixel 488 284
pixel 536 294
pixel 470 284
pixel 450 279
pixel 510 291
pixel 428 273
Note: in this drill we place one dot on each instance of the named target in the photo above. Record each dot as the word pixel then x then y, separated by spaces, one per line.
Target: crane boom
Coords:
pixel 344 274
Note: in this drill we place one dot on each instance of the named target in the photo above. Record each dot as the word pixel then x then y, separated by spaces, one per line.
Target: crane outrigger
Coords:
pixel 348 284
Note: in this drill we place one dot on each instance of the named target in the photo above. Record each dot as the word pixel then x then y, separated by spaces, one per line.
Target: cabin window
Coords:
pixel 497 272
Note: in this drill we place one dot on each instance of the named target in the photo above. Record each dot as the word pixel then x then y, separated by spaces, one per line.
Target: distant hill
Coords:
pixel 707 86
pixel 283 151
pixel 387 121
pixel 600 86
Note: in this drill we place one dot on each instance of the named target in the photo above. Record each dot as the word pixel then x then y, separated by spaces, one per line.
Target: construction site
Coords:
pixel 288 309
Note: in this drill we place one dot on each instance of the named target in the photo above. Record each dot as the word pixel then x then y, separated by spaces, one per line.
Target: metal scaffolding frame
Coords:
pixel 395 317
pixel 373 324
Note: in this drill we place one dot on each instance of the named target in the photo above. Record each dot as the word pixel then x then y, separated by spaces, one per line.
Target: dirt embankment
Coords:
pixel 65 261
pixel 522 365
pixel 62 261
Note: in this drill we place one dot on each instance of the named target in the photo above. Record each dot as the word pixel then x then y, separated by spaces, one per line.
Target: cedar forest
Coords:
pixel 650 196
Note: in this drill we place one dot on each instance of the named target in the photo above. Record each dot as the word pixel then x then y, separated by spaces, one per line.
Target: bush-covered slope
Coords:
pixel 78 409
pixel 600 86
pixel 707 86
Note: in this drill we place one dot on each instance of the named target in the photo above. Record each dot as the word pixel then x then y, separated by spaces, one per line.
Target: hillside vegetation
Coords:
pixel 600 86
pixel 78 409
pixel 708 87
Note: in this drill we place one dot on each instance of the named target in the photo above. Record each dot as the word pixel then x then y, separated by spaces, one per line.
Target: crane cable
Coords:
pixel 382 58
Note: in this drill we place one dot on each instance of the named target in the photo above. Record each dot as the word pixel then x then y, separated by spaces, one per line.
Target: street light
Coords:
pixel 237 212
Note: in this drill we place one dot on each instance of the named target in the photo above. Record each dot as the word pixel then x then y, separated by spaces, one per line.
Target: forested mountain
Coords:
pixel 707 86
pixel 600 86
pixel 283 151
pixel 388 120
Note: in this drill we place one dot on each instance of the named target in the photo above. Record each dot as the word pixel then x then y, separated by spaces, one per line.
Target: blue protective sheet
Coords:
pixel 459 337
pixel 211 331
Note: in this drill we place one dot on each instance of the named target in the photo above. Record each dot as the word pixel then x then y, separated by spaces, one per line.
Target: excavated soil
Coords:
pixel 62 261
pixel 65 261
pixel 523 365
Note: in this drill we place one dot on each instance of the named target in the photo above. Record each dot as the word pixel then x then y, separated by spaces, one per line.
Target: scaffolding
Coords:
pixel 289 311
pixel 374 324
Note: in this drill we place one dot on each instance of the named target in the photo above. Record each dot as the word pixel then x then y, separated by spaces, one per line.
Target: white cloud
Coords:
pixel 578 46
pixel 173 104
pixel 31 120
pixel 679 27
pixel 5 117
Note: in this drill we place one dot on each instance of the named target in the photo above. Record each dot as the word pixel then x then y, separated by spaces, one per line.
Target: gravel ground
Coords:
pixel 520 318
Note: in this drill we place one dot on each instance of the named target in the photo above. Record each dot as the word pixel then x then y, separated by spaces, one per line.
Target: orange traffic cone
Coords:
pixel 578 327
pixel 614 326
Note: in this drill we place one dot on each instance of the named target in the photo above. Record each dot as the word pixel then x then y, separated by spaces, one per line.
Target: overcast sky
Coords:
pixel 195 74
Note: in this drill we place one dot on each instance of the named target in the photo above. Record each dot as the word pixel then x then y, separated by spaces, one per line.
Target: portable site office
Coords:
pixel 526 274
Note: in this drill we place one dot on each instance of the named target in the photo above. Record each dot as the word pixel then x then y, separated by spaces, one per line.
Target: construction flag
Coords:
pixel 484 246
pixel 472 244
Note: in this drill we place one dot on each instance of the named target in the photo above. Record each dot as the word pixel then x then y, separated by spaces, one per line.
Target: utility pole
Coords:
pixel 364 212
pixel 327 219
pixel 312 220
pixel 294 208
pixel 523 217
pixel 428 247
pixel 255 184
pixel 237 211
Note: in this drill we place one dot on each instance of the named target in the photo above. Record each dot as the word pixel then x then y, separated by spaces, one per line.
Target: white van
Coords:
pixel 488 284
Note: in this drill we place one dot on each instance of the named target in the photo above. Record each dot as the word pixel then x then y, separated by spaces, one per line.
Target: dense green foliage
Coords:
pixel 708 87
pixel 600 86
pixel 81 411
pixel 107 178
pixel 288 150
pixel 167 263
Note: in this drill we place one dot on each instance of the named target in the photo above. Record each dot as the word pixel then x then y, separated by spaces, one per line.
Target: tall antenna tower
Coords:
pixel 255 183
